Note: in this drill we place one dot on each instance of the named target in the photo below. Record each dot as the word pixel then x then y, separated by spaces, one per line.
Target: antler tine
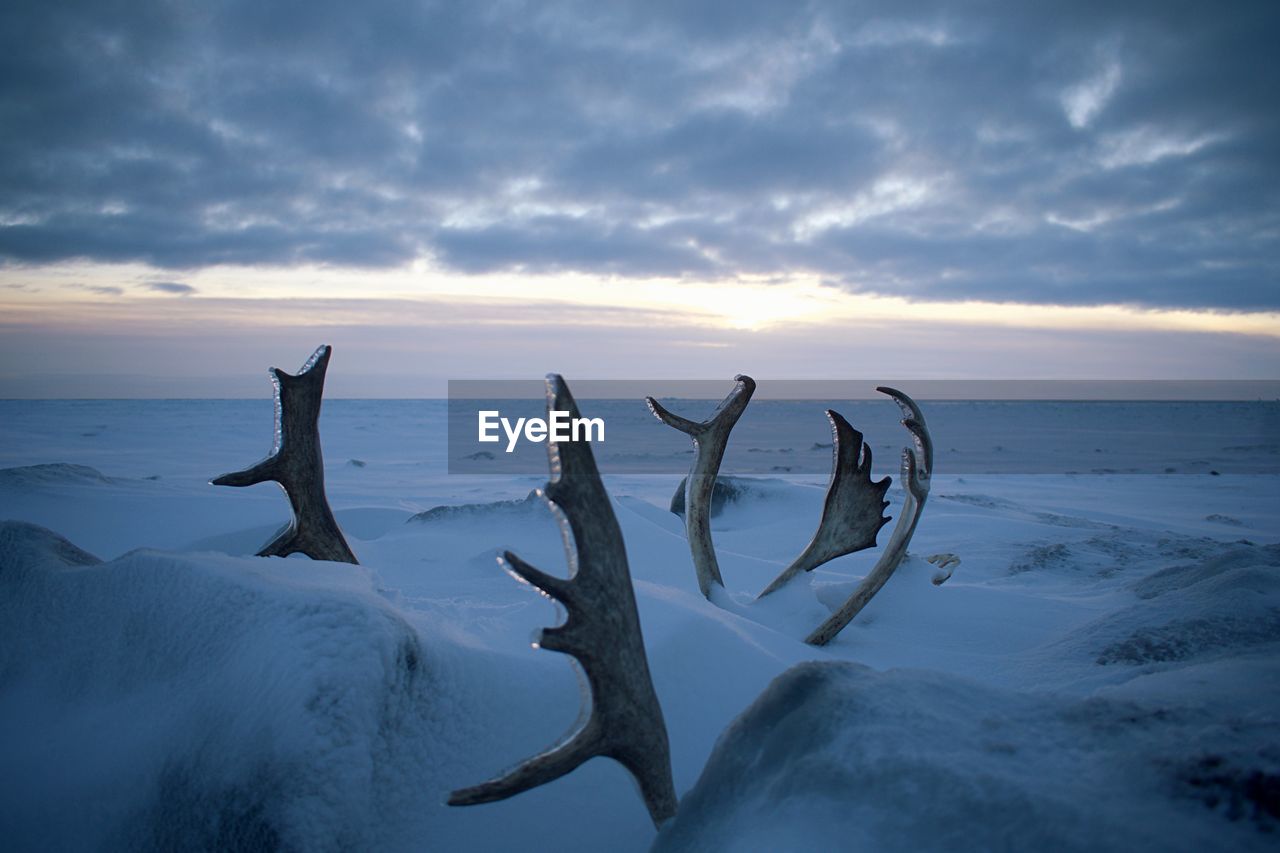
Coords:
pixel 710 438
pixel 853 512
pixel 916 480
pixel 913 421
pixel 673 420
pixel 295 462
pixel 602 631
pixel 539 770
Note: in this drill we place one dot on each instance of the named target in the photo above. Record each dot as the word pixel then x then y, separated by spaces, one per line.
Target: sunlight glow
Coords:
pixel 745 303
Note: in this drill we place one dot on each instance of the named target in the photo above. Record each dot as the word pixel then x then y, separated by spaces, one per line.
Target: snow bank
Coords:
pixel 199 701
pixel 731 490
pixel 835 756
pixel 1221 605
pixel 50 473
pixel 531 506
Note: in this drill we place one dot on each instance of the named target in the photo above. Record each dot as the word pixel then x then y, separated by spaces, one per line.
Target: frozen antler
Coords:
pixel 917 468
pixel 853 512
pixel 296 464
pixel 946 563
pixel 709 440
pixel 602 632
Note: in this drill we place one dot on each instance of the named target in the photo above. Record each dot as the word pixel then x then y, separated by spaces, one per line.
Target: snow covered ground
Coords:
pixel 1102 671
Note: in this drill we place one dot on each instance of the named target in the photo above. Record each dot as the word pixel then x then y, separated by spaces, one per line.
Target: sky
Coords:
pixel 192 191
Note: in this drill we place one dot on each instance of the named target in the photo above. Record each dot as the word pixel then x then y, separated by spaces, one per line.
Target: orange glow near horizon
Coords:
pixel 54 294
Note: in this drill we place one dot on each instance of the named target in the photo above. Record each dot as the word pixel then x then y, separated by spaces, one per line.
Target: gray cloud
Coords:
pixel 100 289
pixel 1094 152
pixel 174 288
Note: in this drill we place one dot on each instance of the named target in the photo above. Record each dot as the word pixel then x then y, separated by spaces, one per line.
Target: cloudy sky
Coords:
pixel 190 191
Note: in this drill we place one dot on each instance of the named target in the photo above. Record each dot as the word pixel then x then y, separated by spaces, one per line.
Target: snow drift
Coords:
pixel 835 756
pixel 198 701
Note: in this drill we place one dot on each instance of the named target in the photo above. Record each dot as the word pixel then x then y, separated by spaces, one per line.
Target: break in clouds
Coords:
pixel 1093 152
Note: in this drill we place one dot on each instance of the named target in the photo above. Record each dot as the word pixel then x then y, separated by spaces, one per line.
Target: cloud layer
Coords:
pixel 1092 153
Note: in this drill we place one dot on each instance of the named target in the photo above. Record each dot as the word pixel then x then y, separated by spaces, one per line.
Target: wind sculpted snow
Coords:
pixel 836 756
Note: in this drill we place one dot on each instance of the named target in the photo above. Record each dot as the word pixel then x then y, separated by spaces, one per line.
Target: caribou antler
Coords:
pixel 853 512
pixel 602 632
pixel 917 468
pixel 296 464
pixel 709 440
